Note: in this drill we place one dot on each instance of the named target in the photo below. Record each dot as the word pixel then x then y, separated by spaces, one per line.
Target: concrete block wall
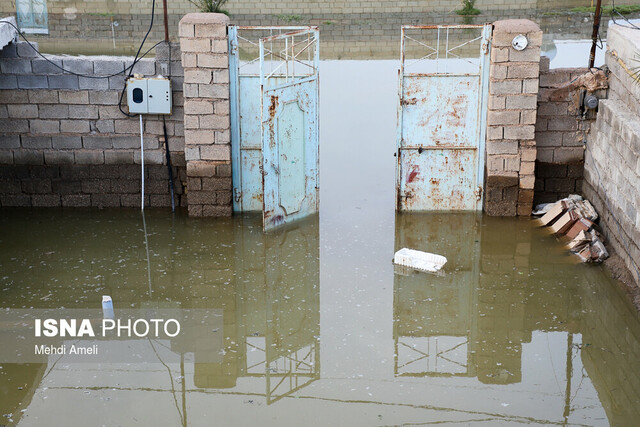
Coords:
pixel 612 157
pixel 561 131
pixel 203 40
pixel 63 140
pixel 511 146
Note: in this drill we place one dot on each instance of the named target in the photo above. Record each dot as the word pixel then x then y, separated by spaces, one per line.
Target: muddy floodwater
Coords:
pixel 315 326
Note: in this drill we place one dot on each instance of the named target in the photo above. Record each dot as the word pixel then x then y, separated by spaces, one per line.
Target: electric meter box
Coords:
pixel 149 95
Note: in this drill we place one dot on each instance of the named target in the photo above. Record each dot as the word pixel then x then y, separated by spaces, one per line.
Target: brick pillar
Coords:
pixel 511 148
pixel 203 42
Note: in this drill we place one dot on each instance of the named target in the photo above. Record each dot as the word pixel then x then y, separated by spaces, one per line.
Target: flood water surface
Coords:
pixel 312 325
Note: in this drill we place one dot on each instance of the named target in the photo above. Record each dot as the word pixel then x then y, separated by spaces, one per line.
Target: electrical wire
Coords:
pixel 614 10
pixel 135 59
pixel 89 76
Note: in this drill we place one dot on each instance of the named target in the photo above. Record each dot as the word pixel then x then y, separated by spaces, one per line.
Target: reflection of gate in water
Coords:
pixel 442 117
pixel 278 315
pixel 435 322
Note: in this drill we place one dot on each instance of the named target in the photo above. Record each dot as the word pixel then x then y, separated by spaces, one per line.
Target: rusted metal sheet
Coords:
pixel 290 130
pixel 274 124
pixel 441 129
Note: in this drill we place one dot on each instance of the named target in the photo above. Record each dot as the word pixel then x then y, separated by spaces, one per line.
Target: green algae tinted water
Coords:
pixel 316 327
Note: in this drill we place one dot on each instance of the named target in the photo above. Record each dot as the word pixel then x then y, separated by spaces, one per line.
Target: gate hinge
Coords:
pixel 237 194
pixel 478 193
pixel 234 46
pixel 485 46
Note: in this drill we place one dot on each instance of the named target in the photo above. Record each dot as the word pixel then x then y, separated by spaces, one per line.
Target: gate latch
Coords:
pixel 478 193
pixel 237 194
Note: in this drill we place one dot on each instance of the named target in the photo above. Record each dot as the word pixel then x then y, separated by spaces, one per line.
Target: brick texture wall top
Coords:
pixel 203 40
pixel 511 147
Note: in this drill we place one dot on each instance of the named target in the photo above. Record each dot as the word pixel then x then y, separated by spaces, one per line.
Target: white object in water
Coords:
pixel 419 260
pixel 107 307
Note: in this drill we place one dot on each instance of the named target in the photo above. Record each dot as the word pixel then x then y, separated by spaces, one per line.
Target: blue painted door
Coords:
pixel 289 85
pixel 442 117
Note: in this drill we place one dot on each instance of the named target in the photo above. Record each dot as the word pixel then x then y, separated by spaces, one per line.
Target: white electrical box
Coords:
pixel 149 95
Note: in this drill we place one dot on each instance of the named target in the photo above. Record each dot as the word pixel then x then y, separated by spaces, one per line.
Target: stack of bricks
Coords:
pixel 203 41
pixel 511 147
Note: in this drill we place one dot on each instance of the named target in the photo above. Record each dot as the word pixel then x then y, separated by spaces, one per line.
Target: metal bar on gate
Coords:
pixel 433 27
pixel 439 147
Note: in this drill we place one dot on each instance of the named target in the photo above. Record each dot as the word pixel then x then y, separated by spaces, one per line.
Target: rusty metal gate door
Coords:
pixel 274 121
pixel 443 88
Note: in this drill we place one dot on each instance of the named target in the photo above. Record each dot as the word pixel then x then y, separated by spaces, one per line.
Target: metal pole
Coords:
pixel 142 162
pixel 594 35
pixel 166 22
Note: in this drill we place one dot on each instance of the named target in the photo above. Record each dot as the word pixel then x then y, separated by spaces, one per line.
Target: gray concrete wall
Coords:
pixel 64 142
pixel 612 159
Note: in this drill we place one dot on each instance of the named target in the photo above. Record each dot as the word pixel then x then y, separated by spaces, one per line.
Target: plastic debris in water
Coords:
pixel 418 260
pixel 107 307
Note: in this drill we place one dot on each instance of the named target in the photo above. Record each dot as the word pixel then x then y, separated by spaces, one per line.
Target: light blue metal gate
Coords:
pixel 274 114
pixel 443 89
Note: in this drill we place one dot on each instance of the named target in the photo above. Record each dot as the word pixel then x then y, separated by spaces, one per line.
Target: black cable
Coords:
pixel 631 24
pixel 168 156
pixel 71 72
pixel 135 59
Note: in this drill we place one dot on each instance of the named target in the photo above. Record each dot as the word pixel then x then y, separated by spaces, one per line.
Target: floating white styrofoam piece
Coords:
pixel 419 260
pixel 107 307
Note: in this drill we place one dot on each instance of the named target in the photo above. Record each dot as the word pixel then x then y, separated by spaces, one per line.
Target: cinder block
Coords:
pixel 212 121
pixel 54 111
pixel 22 111
pixel 144 66
pixel 28 157
pixel 124 142
pixel 35 142
pixel 105 126
pixel 503 117
pixel 78 65
pixel 568 155
pixel 523 71
pixel 502 147
pixel 96 142
pixel 212 60
pixel 58 158
pixel 195 45
pixel 66 142
pixel 43 96
pixel 44 126
pixel 530 54
pixel 198 107
pixel 89 157
pixel 74 97
pixel 83 111
pixel 93 84
pixel 223 137
pixel 215 152
pixel 522 102
pixel 216 91
pixel 499 54
pixel 42 66
pixel 519 132
pixel 530 86
pixel 103 67
pixel 76 200
pixel 27 50
pixel 151 157
pixel 9 141
pixel 33 82
pixel 118 157
pixel 116 82
pixel 15 66
pixel 45 200
pixel 562 123
pixel 505 87
pixel 65 81
pixel 8 81
pixel 106 97
pixel 198 76
pixel 74 126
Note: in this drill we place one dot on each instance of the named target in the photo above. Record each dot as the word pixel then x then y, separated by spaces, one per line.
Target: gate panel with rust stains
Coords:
pixel 274 118
pixel 442 117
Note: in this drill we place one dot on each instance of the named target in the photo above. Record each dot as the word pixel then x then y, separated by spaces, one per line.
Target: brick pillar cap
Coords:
pixel 204 18
pixel 515 26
